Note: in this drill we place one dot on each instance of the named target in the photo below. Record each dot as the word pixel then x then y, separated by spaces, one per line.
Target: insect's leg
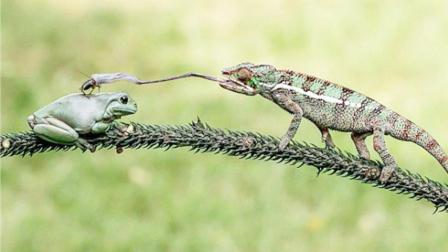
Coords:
pixel 238 89
pixel 360 144
pixel 287 103
pixel 90 91
pixel 379 145
pixel 326 138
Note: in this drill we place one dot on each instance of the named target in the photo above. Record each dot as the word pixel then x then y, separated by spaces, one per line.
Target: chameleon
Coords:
pixel 331 106
pixel 326 104
pixel 65 119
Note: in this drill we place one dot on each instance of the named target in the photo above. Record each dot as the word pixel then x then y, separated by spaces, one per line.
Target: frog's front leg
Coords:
pixel 101 127
pixel 56 131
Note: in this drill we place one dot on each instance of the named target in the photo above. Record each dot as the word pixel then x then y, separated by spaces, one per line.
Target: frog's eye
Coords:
pixel 244 74
pixel 124 99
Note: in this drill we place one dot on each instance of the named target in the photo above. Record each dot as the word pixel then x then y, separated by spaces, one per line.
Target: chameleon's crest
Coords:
pixel 233 69
pixel 255 69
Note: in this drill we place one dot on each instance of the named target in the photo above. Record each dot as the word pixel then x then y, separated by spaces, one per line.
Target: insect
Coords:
pixel 64 120
pixel 331 106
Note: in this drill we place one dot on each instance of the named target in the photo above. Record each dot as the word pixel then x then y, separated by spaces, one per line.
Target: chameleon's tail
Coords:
pixel 406 130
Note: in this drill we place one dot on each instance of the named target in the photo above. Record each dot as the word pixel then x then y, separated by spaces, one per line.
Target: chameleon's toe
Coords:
pixel 283 144
pixel 386 173
pixel 330 146
pixel 328 143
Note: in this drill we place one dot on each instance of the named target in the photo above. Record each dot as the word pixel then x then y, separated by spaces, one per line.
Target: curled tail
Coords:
pixel 406 130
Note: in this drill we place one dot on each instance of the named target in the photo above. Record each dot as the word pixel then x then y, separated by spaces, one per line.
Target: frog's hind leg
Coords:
pixel 56 131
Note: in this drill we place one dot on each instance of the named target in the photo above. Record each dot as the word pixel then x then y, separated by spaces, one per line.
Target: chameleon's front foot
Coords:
pixel 283 143
pixel 329 145
pixel 386 173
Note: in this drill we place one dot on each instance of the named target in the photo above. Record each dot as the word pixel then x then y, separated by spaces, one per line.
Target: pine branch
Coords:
pixel 202 138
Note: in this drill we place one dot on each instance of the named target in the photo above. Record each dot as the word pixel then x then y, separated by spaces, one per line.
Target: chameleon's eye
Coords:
pixel 124 99
pixel 243 74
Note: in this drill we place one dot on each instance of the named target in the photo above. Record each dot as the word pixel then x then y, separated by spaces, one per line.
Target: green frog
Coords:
pixel 64 120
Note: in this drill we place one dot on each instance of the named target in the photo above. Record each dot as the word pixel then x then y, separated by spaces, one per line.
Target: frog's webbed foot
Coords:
pixel 122 130
pixel 122 127
pixel 84 145
pixel 116 128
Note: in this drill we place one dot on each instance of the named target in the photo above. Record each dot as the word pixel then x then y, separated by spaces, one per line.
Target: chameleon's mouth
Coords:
pixel 230 79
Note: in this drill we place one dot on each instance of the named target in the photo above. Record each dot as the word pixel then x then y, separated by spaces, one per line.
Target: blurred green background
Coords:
pixel 394 51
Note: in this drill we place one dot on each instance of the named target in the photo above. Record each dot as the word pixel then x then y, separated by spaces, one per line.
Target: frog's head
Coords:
pixel 255 76
pixel 119 104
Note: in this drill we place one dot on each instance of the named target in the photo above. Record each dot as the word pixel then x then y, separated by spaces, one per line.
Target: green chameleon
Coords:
pixel 63 120
pixel 330 106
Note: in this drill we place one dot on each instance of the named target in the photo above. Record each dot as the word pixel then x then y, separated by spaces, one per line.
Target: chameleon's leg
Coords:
pixel 360 144
pixel 326 138
pixel 379 145
pixel 238 89
pixel 287 103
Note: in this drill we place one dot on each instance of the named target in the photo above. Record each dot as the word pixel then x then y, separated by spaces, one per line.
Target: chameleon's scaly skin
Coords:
pixel 331 106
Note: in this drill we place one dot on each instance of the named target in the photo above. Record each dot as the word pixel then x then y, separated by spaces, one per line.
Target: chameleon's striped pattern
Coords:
pixel 331 106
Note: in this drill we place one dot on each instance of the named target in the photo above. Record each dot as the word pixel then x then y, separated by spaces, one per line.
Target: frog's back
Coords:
pixel 77 110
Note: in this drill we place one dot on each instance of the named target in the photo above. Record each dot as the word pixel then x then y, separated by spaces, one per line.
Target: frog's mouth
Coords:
pixel 125 110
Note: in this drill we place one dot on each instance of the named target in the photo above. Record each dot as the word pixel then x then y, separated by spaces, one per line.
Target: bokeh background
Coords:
pixel 394 51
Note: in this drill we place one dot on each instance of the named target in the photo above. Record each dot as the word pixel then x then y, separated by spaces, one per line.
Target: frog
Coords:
pixel 66 119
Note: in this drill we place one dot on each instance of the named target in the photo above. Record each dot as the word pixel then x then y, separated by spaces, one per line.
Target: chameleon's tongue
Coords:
pixel 98 79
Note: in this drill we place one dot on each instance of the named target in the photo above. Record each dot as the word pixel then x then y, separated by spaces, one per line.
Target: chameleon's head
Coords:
pixel 119 104
pixel 250 74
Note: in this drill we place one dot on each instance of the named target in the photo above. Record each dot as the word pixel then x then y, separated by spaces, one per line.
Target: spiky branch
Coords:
pixel 203 138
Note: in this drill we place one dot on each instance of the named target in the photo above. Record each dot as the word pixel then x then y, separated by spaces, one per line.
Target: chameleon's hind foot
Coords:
pixel 372 173
pixel 386 173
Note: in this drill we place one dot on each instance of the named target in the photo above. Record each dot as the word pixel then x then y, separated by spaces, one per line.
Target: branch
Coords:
pixel 202 138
